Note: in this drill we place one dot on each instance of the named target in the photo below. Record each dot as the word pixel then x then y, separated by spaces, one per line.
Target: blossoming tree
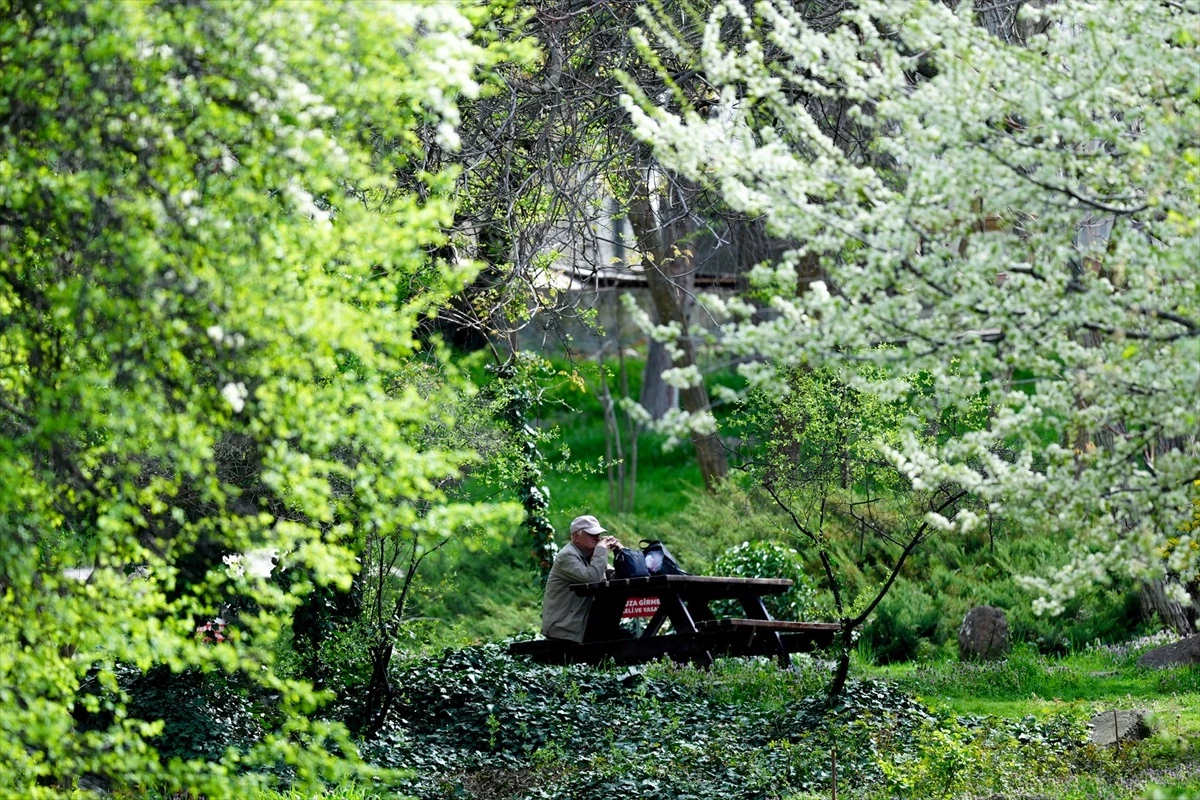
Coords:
pixel 1020 225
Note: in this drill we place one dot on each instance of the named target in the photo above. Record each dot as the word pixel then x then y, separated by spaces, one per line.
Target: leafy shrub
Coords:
pixel 351 790
pixel 952 754
pixel 1110 615
pixel 761 559
pixel 203 714
pixel 966 573
pixel 906 617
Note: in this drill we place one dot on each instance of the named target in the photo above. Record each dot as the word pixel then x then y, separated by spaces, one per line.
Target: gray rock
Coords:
pixel 983 635
pixel 1185 651
pixel 1110 727
pixel 95 784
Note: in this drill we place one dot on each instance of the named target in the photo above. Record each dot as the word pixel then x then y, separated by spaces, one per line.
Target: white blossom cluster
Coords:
pixel 434 43
pixel 258 563
pixel 1024 230
pixel 444 62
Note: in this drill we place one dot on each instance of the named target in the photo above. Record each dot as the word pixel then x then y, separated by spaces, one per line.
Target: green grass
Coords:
pixel 1094 673
pixel 667 480
pixel 1087 682
pixel 1081 684
pixel 474 592
pixel 346 791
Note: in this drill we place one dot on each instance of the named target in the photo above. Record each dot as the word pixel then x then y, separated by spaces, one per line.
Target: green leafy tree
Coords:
pixel 211 290
pixel 817 460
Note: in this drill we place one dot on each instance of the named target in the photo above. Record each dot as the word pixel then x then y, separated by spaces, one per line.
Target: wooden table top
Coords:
pixel 708 586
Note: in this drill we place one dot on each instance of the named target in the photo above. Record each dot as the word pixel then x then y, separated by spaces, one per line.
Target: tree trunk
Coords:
pixel 378 700
pixel 838 684
pixel 1155 602
pixel 657 397
pixel 666 259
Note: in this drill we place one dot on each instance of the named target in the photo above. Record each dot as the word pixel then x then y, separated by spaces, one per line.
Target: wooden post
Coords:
pixel 834 754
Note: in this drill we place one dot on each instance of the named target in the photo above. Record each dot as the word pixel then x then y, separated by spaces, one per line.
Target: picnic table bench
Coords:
pixel 698 635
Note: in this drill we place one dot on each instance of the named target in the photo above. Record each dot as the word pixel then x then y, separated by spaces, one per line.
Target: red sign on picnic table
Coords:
pixel 640 607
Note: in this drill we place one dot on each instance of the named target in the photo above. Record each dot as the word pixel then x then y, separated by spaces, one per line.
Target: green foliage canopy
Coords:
pixel 210 292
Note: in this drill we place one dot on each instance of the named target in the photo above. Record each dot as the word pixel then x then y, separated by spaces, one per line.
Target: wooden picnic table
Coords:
pixel 697 634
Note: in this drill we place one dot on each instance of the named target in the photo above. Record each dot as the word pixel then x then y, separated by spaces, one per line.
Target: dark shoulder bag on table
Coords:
pixel 659 560
pixel 629 564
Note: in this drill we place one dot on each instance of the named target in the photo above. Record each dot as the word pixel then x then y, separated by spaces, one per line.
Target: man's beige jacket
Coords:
pixel 564 613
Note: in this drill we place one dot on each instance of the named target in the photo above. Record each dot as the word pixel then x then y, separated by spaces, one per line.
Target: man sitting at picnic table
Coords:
pixel 584 560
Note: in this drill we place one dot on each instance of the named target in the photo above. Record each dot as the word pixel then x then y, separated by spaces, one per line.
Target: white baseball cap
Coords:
pixel 586 524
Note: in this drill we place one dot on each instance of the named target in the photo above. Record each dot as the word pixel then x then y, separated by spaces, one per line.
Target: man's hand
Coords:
pixel 611 542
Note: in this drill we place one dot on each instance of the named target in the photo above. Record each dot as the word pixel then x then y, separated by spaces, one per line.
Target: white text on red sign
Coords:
pixel 641 607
